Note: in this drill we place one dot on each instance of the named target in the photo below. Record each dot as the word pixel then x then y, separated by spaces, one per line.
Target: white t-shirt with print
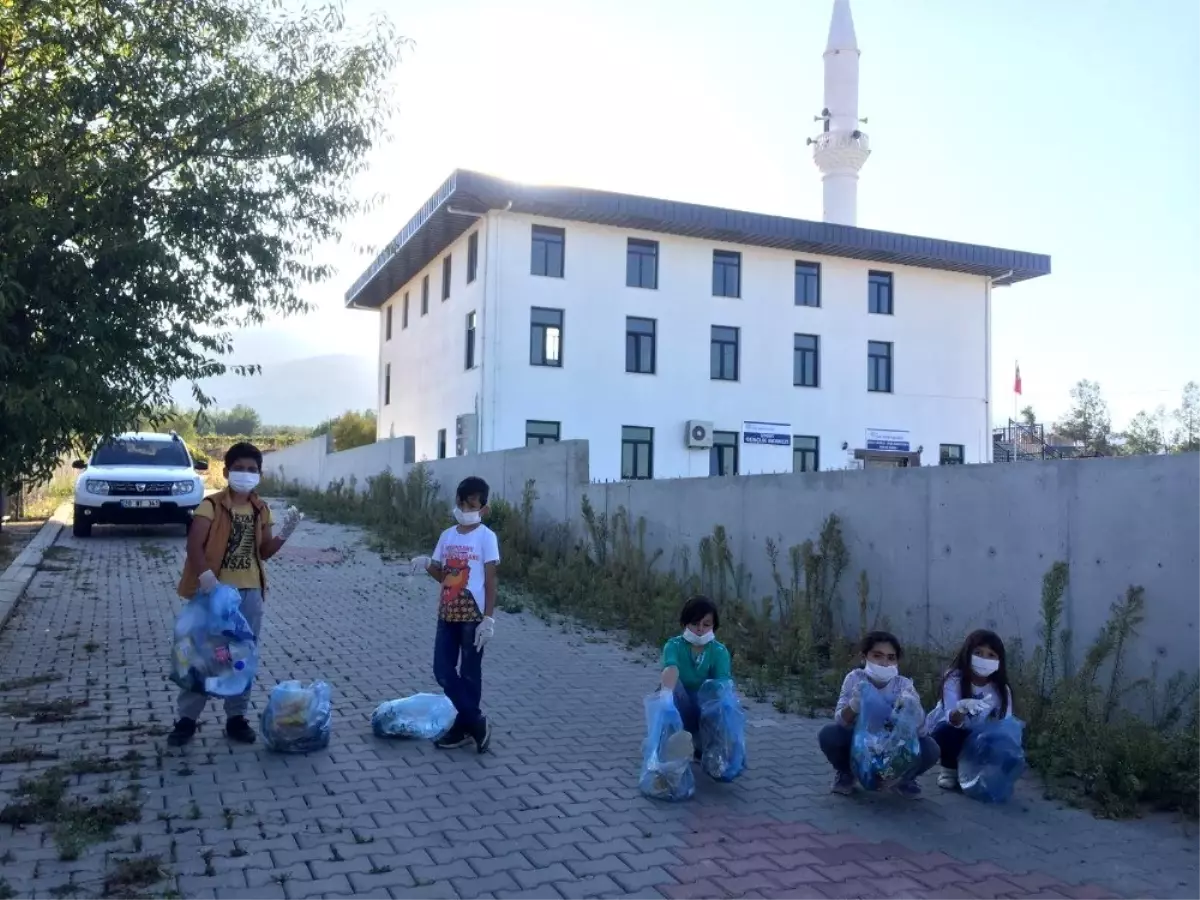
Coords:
pixel 458 553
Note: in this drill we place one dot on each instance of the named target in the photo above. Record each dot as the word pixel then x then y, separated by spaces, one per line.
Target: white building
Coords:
pixel 684 340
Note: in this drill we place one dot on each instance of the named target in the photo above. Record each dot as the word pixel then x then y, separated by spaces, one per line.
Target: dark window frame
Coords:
pixel 800 354
pixel 635 442
pixel 717 457
pixel 539 438
pixel 641 254
pixel 881 293
pixel 873 362
pixel 425 295
pixel 472 256
pixel 404 313
pixel 539 338
pixel 805 453
pixel 946 454
pixel 807 284
pixel 469 337
pixel 548 236
pixel 387 323
pixel 723 263
pixel 447 275
pixel 716 366
pixel 441 443
pixel 387 384
pixel 635 343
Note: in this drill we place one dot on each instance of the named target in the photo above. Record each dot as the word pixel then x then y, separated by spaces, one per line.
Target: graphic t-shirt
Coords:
pixel 462 557
pixel 239 566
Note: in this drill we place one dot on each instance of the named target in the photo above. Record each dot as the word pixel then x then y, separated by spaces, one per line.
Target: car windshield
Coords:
pixel 141 453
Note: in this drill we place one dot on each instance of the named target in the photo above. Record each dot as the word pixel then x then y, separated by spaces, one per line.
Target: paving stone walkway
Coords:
pixel 552 811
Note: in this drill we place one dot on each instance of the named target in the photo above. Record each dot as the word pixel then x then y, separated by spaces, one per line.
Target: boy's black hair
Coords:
pixel 696 609
pixel 962 666
pixel 472 486
pixel 871 638
pixel 243 450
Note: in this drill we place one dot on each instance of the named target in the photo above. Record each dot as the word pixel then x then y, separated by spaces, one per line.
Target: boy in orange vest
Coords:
pixel 229 540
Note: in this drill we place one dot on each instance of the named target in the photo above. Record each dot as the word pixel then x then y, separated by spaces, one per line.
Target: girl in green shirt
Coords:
pixel 692 658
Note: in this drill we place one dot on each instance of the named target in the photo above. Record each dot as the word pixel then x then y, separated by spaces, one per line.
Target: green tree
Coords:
pixel 1146 435
pixel 167 170
pixel 239 420
pixel 1088 420
pixel 353 429
pixel 1187 436
pixel 1028 416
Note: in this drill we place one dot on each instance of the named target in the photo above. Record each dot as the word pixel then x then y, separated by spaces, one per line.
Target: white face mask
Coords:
pixel 698 640
pixel 243 482
pixel 879 673
pixel 467 518
pixel 984 667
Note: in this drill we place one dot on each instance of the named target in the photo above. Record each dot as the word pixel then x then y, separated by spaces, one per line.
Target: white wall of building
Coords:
pixel 939 331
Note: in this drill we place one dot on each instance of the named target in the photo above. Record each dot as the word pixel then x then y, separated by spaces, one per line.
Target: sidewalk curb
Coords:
pixel 17 576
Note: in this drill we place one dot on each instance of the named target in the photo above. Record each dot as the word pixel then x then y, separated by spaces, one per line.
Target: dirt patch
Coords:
pixel 29 681
pixel 14 537
pixel 133 874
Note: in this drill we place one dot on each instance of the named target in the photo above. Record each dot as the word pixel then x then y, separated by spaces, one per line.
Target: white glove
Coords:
pixel 291 519
pixel 855 703
pixel 420 564
pixel 484 632
pixel 972 707
pixel 208 581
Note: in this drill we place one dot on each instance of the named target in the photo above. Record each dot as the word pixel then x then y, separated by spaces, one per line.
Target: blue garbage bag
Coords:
pixel 426 716
pixel 215 651
pixel 667 752
pixel 722 731
pixel 992 760
pixel 298 719
pixel 886 747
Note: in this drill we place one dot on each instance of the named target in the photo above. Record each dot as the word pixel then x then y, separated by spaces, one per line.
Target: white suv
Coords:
pixel 139 478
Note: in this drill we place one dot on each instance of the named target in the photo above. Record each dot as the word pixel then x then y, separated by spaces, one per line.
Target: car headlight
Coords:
pixel 183 487
pixel 97 487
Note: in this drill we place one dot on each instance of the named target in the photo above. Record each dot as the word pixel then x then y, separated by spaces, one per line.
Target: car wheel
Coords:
pixel 82 527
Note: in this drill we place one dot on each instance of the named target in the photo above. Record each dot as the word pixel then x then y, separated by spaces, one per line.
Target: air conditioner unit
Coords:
pixel 699 435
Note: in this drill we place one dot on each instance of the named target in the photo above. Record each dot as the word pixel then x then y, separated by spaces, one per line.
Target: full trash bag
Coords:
pixel 426 716
pixel 298 719
pixel 886 747
pixel 667 752
pixel 722 731
pixel 992 760
pixel 215 651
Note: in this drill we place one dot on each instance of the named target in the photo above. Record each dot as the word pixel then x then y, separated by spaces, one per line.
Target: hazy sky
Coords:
pixel 1069 127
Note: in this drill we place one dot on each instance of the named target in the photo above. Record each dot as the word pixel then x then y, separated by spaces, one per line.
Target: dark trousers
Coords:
pixel 458 668
pixel 950 741
pixel 688 704
pixel 835 742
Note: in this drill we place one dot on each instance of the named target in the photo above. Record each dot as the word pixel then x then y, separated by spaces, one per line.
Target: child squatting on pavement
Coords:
pixel 228 543
pixel 691 658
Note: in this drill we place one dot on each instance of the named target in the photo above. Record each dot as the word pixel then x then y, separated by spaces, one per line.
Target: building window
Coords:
pixel 387 384
pixel 549 250
pixel 425 296
pixel 808 283
pixel 472 256
pixel 879 367
pixel 441 443
pixel 806 453
pixel 639 345
pixel 727 273
pixel 387 323
pixel 724 366
pixel 641 264
pixel 950 455
pixel 470 343
pixel 723 457
pixel 404 313
pixel 879 296
pixel 637 453
pixel 806 360
pixel 447 268
pixel 538 432
pixel 545 336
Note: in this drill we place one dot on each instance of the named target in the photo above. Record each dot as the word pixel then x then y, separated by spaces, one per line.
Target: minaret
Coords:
pixel 841 149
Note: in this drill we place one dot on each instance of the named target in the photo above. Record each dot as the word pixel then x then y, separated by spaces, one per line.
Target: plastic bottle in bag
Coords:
pixel 667 752
pixel 992 760
pixel 722 731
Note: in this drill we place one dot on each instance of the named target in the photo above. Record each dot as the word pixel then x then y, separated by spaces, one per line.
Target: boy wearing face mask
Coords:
pixel 693 657
pixel 228 542
pixel 881 655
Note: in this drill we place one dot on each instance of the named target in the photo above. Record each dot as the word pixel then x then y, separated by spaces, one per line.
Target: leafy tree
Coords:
pixel 167 168
pixel 1088 421
pixel 1187 436
pixel 1028 416
pixel 239 420
pixel 1146 434
pixel 353 429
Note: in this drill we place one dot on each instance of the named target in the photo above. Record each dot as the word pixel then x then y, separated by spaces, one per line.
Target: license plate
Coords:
pixel 140 504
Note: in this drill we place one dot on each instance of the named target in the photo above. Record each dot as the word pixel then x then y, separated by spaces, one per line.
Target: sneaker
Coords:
pixel 843 783
pixel 453 739
pixel 238 729
pixel 948 780
pixel 909 789
pixel 184 731
pixel 482 735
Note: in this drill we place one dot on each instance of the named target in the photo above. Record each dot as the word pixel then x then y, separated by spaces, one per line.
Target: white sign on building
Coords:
pixel 772 434
pixel 887 439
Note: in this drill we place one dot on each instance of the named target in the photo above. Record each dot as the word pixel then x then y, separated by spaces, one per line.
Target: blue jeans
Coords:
pixel 835 740
pixel 462 682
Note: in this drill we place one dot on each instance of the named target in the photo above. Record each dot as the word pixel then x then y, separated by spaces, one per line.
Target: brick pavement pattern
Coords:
pixel 552 811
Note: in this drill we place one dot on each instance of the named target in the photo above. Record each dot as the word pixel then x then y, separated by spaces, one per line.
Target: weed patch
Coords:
pixel 29 681
pixel 132 874
pixel 43 711
pixel 24 755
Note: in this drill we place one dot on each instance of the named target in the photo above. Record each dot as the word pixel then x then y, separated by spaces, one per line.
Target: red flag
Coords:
pixel 1017 380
